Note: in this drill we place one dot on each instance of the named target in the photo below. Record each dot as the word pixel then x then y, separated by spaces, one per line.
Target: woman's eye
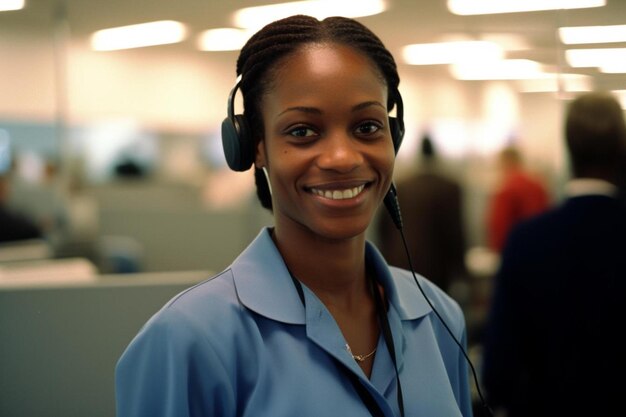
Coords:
pixel 368 128
pixel 302 132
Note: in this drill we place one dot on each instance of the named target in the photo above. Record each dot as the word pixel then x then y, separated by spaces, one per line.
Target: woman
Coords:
pixel 309 320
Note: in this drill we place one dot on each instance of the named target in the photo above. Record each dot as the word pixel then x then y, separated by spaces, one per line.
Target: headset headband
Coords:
pixel 230 108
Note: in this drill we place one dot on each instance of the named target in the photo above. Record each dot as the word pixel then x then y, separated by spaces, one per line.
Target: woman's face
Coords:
pixel 327 144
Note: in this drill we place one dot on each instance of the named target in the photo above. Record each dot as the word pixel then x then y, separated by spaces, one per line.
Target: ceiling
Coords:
pixel 405 22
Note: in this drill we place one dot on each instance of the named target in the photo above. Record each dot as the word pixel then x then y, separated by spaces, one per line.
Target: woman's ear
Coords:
pixel 260 159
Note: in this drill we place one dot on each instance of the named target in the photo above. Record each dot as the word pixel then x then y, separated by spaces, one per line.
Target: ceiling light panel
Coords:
pixel 451 52
pixel 223 39
pixel 508 69
pixel 613 68
pixel 552 83
pixel 595 57
pixel 475 7
pixel 6 5
pixel 136 36
pixel 256 17
pixel 592 34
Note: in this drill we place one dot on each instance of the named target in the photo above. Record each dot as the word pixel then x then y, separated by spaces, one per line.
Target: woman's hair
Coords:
pixel 259 56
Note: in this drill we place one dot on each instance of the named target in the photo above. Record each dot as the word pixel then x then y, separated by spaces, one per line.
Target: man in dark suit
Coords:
pixel 552 344
pixel 431 205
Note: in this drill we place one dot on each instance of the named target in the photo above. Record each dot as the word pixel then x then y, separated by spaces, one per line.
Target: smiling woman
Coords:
pixel 319 145
pixel 309 320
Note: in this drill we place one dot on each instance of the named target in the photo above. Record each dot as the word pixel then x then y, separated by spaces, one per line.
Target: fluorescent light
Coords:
pixel 450 52
pixel 552 83
pixel 613 68
pixel 255 17
pixel 136 36
pixel 508 69
pixel 472 7
pixel 6 5
pixel 592 34
pixel 223 39
pixel 507 41
pixel 595 57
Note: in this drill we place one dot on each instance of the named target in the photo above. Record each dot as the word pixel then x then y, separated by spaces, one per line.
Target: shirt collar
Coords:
pixel 589 186
pixel 264 285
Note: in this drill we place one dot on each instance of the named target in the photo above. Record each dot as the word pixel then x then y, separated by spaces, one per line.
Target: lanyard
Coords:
pixel 368 400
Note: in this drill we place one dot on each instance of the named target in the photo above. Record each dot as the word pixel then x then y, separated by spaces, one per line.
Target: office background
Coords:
pixel 130 140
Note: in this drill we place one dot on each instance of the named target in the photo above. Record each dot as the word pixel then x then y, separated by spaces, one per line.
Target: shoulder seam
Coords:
pixel 179 295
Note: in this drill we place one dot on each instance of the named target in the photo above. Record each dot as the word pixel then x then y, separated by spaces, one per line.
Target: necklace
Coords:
pixel 359 358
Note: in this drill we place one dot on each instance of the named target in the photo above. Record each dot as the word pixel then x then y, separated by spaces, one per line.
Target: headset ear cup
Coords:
pixel 237 143
pixel 246 142
pixel 397 133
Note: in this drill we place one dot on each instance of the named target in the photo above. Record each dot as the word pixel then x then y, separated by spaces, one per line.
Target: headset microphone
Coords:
pixel 393 206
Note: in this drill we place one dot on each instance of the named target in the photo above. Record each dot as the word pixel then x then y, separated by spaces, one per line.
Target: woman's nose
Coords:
pixel 340 153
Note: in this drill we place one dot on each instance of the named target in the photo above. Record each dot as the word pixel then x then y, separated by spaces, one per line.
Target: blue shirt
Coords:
pixel 242 344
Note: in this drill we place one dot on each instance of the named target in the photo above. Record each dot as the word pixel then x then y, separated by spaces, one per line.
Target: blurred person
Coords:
pixel 553 340
pixel 41 200
pixel 129 168
pixel 309 320
pixel 518 196
pixel 431 204
pixel 13 226
pixel 80 234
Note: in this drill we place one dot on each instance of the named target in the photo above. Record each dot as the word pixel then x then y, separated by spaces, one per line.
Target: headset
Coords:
pixel 238 141
pixel 239 150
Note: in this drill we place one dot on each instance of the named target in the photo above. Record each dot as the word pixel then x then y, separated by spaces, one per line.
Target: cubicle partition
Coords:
pixel 59 342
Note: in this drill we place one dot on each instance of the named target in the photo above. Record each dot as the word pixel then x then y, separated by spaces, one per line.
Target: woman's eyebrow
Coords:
pixel 314 110
pixel 301 109
pixel 366 104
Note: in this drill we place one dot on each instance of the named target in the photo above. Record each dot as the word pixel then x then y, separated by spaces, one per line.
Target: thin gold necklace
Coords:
pixel 359 358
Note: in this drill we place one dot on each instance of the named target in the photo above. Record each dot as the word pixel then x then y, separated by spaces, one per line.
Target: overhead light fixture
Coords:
pixel 506 69
pixel 474 7
pixel 258 16
pixel 7 5
pixel 596 57
pixel 552 83
pixel 613 68
pixel 136 36
pixel 508 41
pixel 592 34
pixel 223 39
pixel 451 52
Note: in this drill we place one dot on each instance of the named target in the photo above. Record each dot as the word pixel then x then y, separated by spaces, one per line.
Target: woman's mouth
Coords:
pixel 339 194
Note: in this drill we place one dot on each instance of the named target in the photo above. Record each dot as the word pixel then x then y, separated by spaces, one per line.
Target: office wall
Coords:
pixel 27 81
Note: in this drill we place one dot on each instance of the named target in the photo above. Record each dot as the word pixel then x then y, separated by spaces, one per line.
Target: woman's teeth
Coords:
pixel 339 194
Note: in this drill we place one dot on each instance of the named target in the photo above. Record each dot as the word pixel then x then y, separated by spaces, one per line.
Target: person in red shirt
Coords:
pixel 519 196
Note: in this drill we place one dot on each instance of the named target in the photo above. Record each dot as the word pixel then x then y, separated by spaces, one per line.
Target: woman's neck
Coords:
pixel 333 269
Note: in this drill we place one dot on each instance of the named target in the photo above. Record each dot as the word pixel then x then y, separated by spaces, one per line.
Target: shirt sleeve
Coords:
pixel 170 369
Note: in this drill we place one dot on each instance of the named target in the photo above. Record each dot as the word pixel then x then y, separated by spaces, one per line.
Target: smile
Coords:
pixel 339 194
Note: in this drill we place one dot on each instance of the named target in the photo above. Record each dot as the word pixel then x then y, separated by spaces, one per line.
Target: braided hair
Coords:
pixel 259 56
